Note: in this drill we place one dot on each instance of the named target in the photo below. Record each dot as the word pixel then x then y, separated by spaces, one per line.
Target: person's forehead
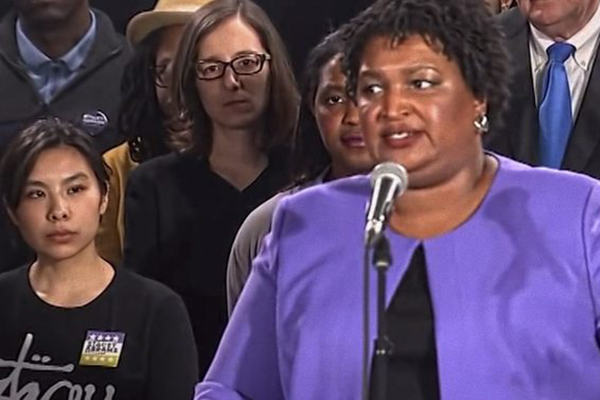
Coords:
pixel 383 48
pixel 230 37
pixel 58 161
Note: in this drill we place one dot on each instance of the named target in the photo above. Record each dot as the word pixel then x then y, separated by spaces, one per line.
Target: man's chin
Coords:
pixel 44 20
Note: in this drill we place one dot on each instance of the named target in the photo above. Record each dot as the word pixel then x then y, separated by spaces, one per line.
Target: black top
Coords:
pixel 180 222
pixel 133 341
pixel 412 370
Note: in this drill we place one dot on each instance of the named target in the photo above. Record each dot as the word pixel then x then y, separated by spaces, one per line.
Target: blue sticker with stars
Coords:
pixel 102 349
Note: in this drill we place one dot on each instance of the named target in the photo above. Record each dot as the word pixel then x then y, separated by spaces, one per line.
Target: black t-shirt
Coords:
pixel 133 342
pixel 412 371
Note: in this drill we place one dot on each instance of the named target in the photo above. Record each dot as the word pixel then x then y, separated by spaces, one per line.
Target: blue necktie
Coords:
pixel 555 114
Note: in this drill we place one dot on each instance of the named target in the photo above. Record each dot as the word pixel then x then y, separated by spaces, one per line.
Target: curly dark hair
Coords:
pixel 140 119
pixel 464 29
pixel 310 155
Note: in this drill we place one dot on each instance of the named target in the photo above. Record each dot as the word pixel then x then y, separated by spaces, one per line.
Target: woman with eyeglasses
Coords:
pixel 329 145
pixel 234 79
pixel 147 116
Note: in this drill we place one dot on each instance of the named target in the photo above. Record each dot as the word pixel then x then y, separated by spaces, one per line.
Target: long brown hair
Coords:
pixel 281 117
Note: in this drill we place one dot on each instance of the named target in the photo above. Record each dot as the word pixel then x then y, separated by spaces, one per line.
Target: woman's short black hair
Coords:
pixel 464 29
pixel 25 149
pixel 310 155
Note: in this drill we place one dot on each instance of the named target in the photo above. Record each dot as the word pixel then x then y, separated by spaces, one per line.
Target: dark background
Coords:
pixel 301 23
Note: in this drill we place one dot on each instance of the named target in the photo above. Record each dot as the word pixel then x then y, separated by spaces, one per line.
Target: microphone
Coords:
pixel 389 180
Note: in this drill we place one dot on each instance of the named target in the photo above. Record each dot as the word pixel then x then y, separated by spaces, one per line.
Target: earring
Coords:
pixel 482 123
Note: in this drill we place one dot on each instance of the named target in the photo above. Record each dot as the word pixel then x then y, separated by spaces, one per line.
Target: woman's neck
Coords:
pixel 429 212
pixel 72 282
pixel 236 157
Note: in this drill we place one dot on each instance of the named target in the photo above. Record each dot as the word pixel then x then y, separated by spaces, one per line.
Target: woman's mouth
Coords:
pixel 61 236
pixel 355 141
pixel 401 138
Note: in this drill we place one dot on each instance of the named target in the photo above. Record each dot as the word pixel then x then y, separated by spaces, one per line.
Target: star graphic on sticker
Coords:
pixel 92 337
pixel 100 338
pixel 116 338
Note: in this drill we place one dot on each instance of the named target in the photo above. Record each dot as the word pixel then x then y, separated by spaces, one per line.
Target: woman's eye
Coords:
pixel 335 99
pixel 422 83
pixel 34 194
pixel 372 89
pixel 76 189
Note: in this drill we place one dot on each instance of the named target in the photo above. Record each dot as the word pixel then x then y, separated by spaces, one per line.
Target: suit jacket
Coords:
pixel 515 292
pixel 519 137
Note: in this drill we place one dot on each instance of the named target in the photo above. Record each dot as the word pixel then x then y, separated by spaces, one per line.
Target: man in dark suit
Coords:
pixel 531 29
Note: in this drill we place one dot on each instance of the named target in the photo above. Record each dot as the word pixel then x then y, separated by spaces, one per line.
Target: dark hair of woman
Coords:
pixel 24 150
pixel 140 118
pixel 310 155
pixel 464 30
pixel 282 113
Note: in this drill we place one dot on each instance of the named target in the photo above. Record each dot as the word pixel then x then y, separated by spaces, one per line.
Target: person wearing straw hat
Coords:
pixel 146 116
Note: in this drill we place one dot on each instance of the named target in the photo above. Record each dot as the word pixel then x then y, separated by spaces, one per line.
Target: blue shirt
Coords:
pixel 51 75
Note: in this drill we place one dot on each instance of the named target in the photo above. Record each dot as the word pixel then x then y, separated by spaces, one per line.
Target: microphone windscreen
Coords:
pixel 393 171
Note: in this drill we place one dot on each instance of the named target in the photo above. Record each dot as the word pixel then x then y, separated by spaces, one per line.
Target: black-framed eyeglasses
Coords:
pixel 162 75
pixel 245 64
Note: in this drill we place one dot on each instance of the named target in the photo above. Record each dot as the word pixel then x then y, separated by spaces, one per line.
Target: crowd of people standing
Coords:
pixel 184 212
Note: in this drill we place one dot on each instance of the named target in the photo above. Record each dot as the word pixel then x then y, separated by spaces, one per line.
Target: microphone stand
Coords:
pixel 382 260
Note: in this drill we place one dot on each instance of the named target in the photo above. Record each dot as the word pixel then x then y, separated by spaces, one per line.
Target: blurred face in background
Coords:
pixel 166 51
pixel 558 18
pixel 60 206
pixel 233 101
pixel 337 118
pixel 49 13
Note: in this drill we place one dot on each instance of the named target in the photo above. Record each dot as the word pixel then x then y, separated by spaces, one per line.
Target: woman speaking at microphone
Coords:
pixel 494 288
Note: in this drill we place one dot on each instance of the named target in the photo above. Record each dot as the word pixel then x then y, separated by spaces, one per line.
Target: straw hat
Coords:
pixel 166 13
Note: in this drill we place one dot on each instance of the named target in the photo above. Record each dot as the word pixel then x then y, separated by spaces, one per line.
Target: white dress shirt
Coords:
pixel 579 65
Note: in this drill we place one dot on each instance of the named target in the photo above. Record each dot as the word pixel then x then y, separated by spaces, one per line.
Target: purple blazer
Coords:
pixel 515 291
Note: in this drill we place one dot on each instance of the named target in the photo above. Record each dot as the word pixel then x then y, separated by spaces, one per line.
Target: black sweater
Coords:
pixel 180 222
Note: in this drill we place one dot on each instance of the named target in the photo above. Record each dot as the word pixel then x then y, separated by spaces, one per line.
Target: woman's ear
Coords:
pixel 480 107
pixel 104 200
pixel 11 215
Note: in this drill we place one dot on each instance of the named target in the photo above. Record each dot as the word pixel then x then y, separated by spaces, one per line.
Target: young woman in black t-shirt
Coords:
pixel 73 326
